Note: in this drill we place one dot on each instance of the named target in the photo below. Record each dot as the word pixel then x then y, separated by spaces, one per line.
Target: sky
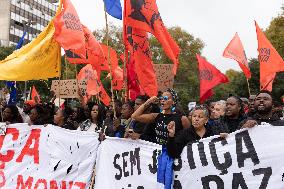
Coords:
pixel 213 21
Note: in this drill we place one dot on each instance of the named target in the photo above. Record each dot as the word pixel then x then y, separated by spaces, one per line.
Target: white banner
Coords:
pixel 125 163
pixel 37 157
pixel 247 159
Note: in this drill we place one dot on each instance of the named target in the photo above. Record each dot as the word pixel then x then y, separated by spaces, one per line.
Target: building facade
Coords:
pixel 19 16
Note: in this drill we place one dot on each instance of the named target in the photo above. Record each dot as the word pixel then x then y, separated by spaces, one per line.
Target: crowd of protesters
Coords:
pixel 156 119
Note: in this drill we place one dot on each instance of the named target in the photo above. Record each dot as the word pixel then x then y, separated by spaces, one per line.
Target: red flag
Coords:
pixel 94 85
pixel 113 58
pixel 141 53
pixel 93 82
pixel 235 51
pixel 68 28
pixel 132 80
pixel 269 59
pixel 209 77
pixel 117 78
pixel 104 97
pixel 268 82
pixel 93 51
pixel 144 15
pixel 34 95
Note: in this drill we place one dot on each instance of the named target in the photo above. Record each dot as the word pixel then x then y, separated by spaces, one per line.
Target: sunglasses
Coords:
pixel 165 98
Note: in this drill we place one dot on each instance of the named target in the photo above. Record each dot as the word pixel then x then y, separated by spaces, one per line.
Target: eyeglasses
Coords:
pixel 165 98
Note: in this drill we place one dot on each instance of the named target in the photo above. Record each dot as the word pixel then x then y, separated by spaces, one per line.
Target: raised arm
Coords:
pixel 139 115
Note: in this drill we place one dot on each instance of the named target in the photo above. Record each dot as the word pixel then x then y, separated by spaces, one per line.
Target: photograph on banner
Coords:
pixel 47 157
pixel 165 76
pixel 125 163
pixel 68 88
pixel 245 159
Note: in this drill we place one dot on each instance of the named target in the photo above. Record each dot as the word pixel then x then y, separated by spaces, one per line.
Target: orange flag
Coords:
pixel 117 78
pixel 34 95
pixel 113 59
pixel 269 59
pixel 93 52
pixel 209 77
pixel 235 51
pixel 140 52
pixel 93 83
pixel 144 15
pixel 68 28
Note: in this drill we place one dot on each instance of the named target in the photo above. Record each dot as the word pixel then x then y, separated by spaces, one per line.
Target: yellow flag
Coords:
pixel 40 59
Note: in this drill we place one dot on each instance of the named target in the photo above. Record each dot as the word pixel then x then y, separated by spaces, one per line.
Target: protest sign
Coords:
pixel 126 163
pixel 246 159
pixel 165 76
pixel 46 157
pixel 68 88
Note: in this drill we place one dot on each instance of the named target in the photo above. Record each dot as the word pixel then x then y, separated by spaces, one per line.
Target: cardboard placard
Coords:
pixel 68 88
pixel 165 76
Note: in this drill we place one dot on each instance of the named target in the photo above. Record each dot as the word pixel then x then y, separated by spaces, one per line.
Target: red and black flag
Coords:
pixel 137 43
pixel 144 15
pixel 269 59
pixel 209 77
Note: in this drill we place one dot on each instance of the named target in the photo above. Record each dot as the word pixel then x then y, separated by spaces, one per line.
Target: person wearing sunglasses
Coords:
pixel 168 102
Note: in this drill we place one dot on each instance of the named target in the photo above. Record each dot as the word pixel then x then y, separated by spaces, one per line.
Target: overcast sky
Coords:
pixel 213 21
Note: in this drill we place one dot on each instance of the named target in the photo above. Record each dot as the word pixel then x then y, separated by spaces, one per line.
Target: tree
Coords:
pixel 186 79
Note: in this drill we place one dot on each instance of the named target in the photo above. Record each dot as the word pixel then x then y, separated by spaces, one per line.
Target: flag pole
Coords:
pixel 109 63
pixel 77 82
pixel 1 108
pixel 248 86
pixel 125 75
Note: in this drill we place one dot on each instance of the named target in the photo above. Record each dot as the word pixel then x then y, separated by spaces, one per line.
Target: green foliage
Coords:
pixel 186 79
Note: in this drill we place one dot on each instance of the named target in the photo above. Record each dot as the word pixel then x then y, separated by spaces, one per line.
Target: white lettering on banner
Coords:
pixel 46 157
pixel 127 164
pixel 246 159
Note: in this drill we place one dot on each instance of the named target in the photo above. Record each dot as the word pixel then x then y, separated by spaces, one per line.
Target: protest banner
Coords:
pixel 126 163
pixel 68 88
pixel 245 159
pixel 165 77
pixel 34 157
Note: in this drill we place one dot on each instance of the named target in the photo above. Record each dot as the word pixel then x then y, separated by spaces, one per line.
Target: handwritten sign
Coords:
pixel 68 88
pixel 165 77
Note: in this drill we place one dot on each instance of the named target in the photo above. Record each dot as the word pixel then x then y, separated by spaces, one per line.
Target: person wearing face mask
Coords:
pixel 199 129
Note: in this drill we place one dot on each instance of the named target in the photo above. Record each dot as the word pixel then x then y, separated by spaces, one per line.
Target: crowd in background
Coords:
pixel 157 119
